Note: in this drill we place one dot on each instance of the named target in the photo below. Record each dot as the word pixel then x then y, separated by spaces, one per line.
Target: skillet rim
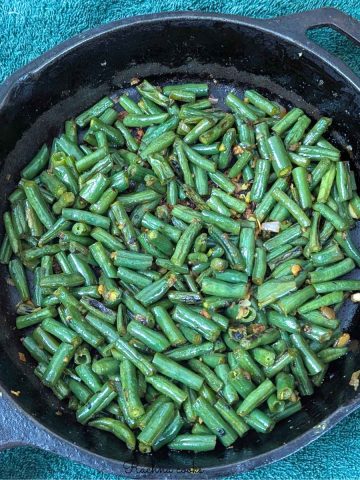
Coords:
pixel 287 29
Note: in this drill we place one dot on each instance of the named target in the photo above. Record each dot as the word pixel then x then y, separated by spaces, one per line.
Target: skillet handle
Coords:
pixel 294 27
pixel 297 24
pixel 19 429
pixel 13 425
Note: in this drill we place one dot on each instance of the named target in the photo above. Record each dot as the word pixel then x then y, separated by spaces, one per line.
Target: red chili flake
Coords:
pixel 139 133
pixel 248 213
pixel 238 150
pixel 293 147
pixel 247 375
pixel 22 357
pixel 257 328
pixel 354 380
pixel 122 115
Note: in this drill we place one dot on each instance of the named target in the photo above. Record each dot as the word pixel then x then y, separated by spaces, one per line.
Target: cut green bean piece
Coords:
pixel 177 372
pixel 215 422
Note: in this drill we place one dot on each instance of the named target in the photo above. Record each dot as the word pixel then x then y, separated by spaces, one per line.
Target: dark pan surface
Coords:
pixel 229 53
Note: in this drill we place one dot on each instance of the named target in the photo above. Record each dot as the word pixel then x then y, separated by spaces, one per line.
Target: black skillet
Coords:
pixel 232 52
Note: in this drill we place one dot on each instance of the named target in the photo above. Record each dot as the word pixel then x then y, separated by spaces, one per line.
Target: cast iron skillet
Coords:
pixel 272 55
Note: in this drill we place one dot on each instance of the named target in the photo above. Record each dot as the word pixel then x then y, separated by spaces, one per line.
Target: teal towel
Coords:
pixel 29 28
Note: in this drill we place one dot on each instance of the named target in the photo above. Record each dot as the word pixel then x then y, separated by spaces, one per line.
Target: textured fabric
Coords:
pixel 29 28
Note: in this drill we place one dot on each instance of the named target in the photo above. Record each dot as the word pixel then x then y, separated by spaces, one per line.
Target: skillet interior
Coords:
pixel 170 50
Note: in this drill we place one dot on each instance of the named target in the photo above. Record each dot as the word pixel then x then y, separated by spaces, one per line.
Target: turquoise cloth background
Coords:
pixel 29 28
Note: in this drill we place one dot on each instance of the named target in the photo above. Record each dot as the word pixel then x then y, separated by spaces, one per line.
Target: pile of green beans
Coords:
pixel 178 265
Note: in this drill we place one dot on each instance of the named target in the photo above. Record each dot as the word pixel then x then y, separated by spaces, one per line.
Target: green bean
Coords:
pixel 274 404
pixel 245 361
pixel 210 377
pixel 90 378
pixel 332 271
pixel 218 130
pixel 97 308
pixel 287 412
pixel 312 362
pixel 86 217
pixel 228 391
pixel 326 184
pixel 38 203
pixel 280 363
pixel 87 332
pixel 301 182
pixel 261 102
pixel 45 340
pixel 292 207
pixel 295 134
pixel 129 105
pixel 272 290
pixel 109 116
pixel 124 223
pixel 186 316
pixel 319 153
pixel 195 443
pixel 292 302
pixel 189 298
pixel 287 323
pixel 240 380
pixel 154 340
pixel 259 421
pixel 57 280
pixel 199 89
pixel 58 363
pixel 259 269
pixel 96 403
pixel 130 389
pixel 35 317
pixel 282 125
pixel 5 250
pixel 82 266
pixel 317 131
pixel 135 357
pixel 279 156
pixel 172 369
pixel 267 203
pixel 61 332
pixel 215 422
pixel 241 162
pixel 227 143
pixel 170 434
pixel 35 350
pixel 219 288
pixel 18 276
pixel 37 164
pixel 240 107
pixel 346 243
pixel 212 149
pixel 96 110
pixel 326 300
pixel 168 388
pixel 330 354
pixel 117 428
pixel 338 286
pixel 262 172
pixel 88 161
pixel 285 385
